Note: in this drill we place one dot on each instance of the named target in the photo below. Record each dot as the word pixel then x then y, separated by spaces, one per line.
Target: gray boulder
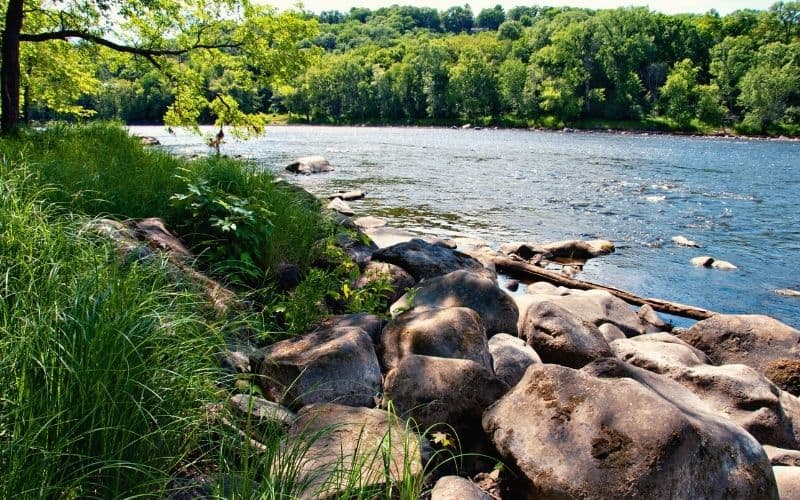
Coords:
pixel 341 439
pixel 496 308
pixel 457 488
pixel 309 165
pixel 424 260
pixel 453 332
pixel 559 337
pixel 752 340
pixel 658 352
pixel 336 365
pixel 511 357
pixel 574 435
pixel 442 391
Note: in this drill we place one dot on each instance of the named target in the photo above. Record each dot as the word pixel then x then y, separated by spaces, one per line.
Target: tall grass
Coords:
pixel 103 370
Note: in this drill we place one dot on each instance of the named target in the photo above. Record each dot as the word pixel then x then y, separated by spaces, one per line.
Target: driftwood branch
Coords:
pixel 524 271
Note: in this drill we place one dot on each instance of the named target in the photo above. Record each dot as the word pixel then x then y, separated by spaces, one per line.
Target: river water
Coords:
pixel 737 198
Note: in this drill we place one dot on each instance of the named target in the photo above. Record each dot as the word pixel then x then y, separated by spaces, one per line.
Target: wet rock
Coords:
pixel 723 265
pixel 788 480
pixel 344 438
pixel 559 337
pixel 496 308
pixel 442 391
pixel 702 261
pixel 309 165
pixel 625 439
pixel 457 488
pixel 336 365
pixel 684 242
pixel 781 456
pixel 338 205
pixel 652 322
pixel 424 260
pixel 394 277
pixel 453 332
pixel 511 357
pixel 753 340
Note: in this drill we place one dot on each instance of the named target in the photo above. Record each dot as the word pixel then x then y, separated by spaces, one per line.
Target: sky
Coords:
pixel 665 6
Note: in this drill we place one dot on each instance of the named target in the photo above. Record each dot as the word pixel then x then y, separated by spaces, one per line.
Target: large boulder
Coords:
pixel 435 391
pixel 753 340
pixel 572 434
pixel 596 307
pixel 453 332
pixel 559 337
pixel 788 479
pixel 396 280
pixel 511 357
pixel 309 165
pixel 342 439
pixel 337 365
pixel 465 289
pixel 424 260
pixel 370 323
pixel 658 352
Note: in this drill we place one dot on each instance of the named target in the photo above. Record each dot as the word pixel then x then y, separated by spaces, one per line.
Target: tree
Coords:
pixel 765 91
pixel 679 93
pixel 457 19
pixel 492 18
pixel 510 30
pixel 473 86
pixel 163 32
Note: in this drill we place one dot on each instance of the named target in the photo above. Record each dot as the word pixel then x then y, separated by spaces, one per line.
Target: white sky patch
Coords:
pixel 667 6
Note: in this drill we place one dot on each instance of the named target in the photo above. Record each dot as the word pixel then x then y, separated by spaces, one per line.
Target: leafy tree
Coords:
pixel 766 89
pixel 491 18
pixel 162 32
pixel 473 86
pixel 679 94
pixel 510 30
pixel 457 19
pixel 511 77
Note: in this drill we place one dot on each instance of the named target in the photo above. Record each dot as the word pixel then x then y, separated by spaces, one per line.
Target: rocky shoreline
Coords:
pixel 550 392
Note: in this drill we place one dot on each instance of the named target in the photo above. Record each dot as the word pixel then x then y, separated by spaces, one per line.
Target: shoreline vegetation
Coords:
pixel 188 328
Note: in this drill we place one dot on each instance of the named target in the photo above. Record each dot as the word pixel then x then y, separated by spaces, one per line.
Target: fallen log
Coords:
pixel 524 271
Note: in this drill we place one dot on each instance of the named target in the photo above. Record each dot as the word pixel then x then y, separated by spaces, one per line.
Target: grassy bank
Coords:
pixel 109 384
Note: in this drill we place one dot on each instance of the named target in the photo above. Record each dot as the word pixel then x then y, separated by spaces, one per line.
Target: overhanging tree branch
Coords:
pixel 129 49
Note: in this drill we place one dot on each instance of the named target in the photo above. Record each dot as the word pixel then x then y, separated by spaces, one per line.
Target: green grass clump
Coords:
pixel 104 370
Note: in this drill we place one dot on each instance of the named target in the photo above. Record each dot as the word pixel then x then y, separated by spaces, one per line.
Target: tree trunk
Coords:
pixel 525 271
pixel 9 68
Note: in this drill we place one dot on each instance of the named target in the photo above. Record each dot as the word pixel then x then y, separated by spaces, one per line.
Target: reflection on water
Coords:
pixel 737 198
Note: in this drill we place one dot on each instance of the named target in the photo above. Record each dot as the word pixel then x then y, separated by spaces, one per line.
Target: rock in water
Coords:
pixel 788 292
pixel 684 242
pixel 340 206
pixel 574 435
pixel 703 261
pixel 309 165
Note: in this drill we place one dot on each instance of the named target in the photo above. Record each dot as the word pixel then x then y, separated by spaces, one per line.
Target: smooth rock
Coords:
pixel 652 322
pixel 309 165
pixel 497 309
pixel 574 435
pixel 337 365
pixel 344 438
pixel 395 278
pixel 424 260
pixel 788 480
pixel 435 391
pixel 684 242
pixel 610 332
pixel 559 337
pixel 702 261
pixel 338 205
pixel 457 488
pixel 545 288
pixel 453 332
pixel 511 357
pixel 348 195
pixel 753 340
pixel 781 456
pixel 723 265
pixel 370 323
pixel 655 353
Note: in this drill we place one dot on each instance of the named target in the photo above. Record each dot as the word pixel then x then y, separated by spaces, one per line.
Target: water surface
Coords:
pixel 737 198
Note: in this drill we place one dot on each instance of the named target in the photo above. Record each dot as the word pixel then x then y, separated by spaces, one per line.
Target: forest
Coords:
pixel 528 66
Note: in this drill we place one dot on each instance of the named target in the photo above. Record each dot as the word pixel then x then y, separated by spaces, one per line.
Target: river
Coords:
pixel 737 198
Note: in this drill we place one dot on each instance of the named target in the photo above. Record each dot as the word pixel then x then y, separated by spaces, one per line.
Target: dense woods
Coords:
pixel 529 66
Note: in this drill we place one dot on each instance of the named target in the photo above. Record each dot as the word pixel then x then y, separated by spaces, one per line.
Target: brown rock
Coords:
pixel 457 488
pixel 424 260
pixel 511 357
pixel 785 373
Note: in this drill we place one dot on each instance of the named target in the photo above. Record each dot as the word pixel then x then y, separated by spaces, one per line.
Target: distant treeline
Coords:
pixel 527 66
